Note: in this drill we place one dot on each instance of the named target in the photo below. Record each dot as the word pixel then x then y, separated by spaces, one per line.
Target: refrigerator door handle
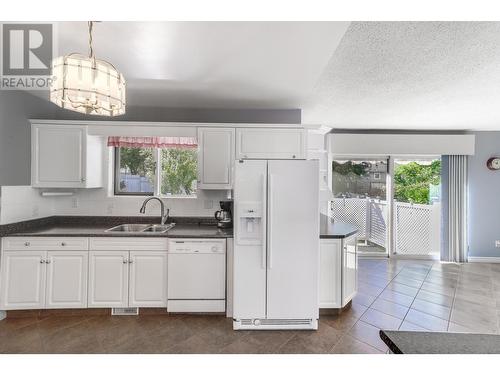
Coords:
pixel 270 220
pixel 264 193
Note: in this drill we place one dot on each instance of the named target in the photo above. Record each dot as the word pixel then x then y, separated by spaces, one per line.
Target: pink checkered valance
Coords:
pixel 153 142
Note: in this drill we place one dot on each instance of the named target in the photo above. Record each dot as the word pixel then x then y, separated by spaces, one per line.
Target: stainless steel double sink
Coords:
pixel 141 228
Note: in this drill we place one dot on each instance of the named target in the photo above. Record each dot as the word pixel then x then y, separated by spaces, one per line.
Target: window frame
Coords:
pixel 156 181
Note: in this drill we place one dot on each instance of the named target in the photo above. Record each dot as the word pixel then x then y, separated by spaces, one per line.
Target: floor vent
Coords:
pixel 275 324
pixel 125 311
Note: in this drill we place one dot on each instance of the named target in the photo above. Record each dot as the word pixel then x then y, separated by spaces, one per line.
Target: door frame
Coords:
pixel 390 231
pixel 389 193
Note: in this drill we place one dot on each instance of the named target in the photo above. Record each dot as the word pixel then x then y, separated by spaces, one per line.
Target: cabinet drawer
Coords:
pixel 45 243
pixel 128 243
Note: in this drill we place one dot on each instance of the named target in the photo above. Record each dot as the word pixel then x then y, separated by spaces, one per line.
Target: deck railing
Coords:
pixel 417 226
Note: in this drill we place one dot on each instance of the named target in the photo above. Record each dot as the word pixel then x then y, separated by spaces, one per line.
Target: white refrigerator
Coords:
pixel 276 247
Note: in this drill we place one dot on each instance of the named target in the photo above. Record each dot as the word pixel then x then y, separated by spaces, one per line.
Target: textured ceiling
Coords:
pixel 411 75
pixel 212 64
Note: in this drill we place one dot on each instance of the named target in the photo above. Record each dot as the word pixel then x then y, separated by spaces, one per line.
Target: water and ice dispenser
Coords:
pixel 251 222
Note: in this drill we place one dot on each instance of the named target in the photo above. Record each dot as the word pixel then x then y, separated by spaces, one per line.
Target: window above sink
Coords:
pixel 160 166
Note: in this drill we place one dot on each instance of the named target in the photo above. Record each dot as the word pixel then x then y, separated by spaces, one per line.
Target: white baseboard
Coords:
pixel 3 314
pixel 484 259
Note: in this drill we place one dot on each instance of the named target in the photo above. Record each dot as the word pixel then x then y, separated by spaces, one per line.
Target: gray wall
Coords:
pixel 16 107
pixel 484 197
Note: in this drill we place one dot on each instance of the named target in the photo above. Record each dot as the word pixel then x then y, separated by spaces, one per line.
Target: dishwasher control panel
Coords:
pixel 202 246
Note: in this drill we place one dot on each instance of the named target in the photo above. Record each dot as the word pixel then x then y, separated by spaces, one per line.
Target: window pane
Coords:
pixel 135 171
pixel 179 170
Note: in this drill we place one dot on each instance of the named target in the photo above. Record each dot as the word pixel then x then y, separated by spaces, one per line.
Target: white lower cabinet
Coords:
pixel 330 274
pixel 66 279
pixel 43 279
pixel 349 270
pixel 128 279
pixel 23 280
pixel 108 279
pixel 338 272
pixel 148 279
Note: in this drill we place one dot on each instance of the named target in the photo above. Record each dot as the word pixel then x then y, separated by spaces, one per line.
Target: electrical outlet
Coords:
pixel 35 211
pixel 74 202
pixel 208 204
pixel 497 243
pixel 109 209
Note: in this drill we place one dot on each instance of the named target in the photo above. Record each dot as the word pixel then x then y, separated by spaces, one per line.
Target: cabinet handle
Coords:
pixel 42 261
pixel 131 261
pixel 293 156
pixel 125 261
pixel 63 243
pixel 83 179
pixel 27 244
pixel 47 261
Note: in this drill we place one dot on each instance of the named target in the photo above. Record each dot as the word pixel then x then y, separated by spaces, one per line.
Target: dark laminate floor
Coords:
pixel 395 294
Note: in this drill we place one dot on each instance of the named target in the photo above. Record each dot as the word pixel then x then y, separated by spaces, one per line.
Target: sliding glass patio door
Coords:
pixel 360 193
pixel 395 203
pixel 417 207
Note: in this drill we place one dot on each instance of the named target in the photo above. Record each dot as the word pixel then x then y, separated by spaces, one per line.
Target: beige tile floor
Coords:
pixel 393 294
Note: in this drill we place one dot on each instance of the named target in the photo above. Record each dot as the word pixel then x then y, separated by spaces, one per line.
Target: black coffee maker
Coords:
pixel 224 217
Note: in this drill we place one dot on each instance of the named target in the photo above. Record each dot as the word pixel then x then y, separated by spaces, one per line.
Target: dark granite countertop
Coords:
pixel 330 229
pixel 94 226
pixel 404 342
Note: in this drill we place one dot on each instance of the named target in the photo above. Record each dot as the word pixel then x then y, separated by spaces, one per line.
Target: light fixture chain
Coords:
pixel 91 49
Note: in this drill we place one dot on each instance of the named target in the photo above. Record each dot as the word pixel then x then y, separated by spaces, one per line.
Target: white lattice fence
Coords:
pixel 352 211
pixel 417 228
pixel 378 223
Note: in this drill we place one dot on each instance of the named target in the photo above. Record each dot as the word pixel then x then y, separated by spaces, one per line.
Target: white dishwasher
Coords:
pixel 196 275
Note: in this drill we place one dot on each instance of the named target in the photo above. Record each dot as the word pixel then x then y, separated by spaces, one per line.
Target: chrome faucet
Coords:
pixel 164 217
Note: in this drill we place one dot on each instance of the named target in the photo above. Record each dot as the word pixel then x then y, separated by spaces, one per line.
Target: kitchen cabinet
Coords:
pixel 65 156
pixel 23 280
pixel 128 272
pixel 108 279
pixel 66 279
pixel 148 279
pixel 330 273
pixel 277 143
pixel 37 279
pixel 338 272
pixel 215 158
pixel 349 270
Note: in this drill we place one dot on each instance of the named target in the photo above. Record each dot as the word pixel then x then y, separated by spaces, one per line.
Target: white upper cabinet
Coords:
pixel 215 158
pixel 259 143
pixel 65 156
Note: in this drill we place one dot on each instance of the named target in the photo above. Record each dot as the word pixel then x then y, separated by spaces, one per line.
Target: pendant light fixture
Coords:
pixel 88 85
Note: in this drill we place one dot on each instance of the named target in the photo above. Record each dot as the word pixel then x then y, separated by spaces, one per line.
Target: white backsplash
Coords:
pixel 96 202
pixel 20 203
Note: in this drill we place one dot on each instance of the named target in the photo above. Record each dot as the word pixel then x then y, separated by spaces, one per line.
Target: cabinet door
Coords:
pixel 215 158
pixel 58 158
pixel 108 279
pixel 23 280
pixel 349 270
pixel 330 274
pixel 67 279
pixel 148 279
pixel 270 144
